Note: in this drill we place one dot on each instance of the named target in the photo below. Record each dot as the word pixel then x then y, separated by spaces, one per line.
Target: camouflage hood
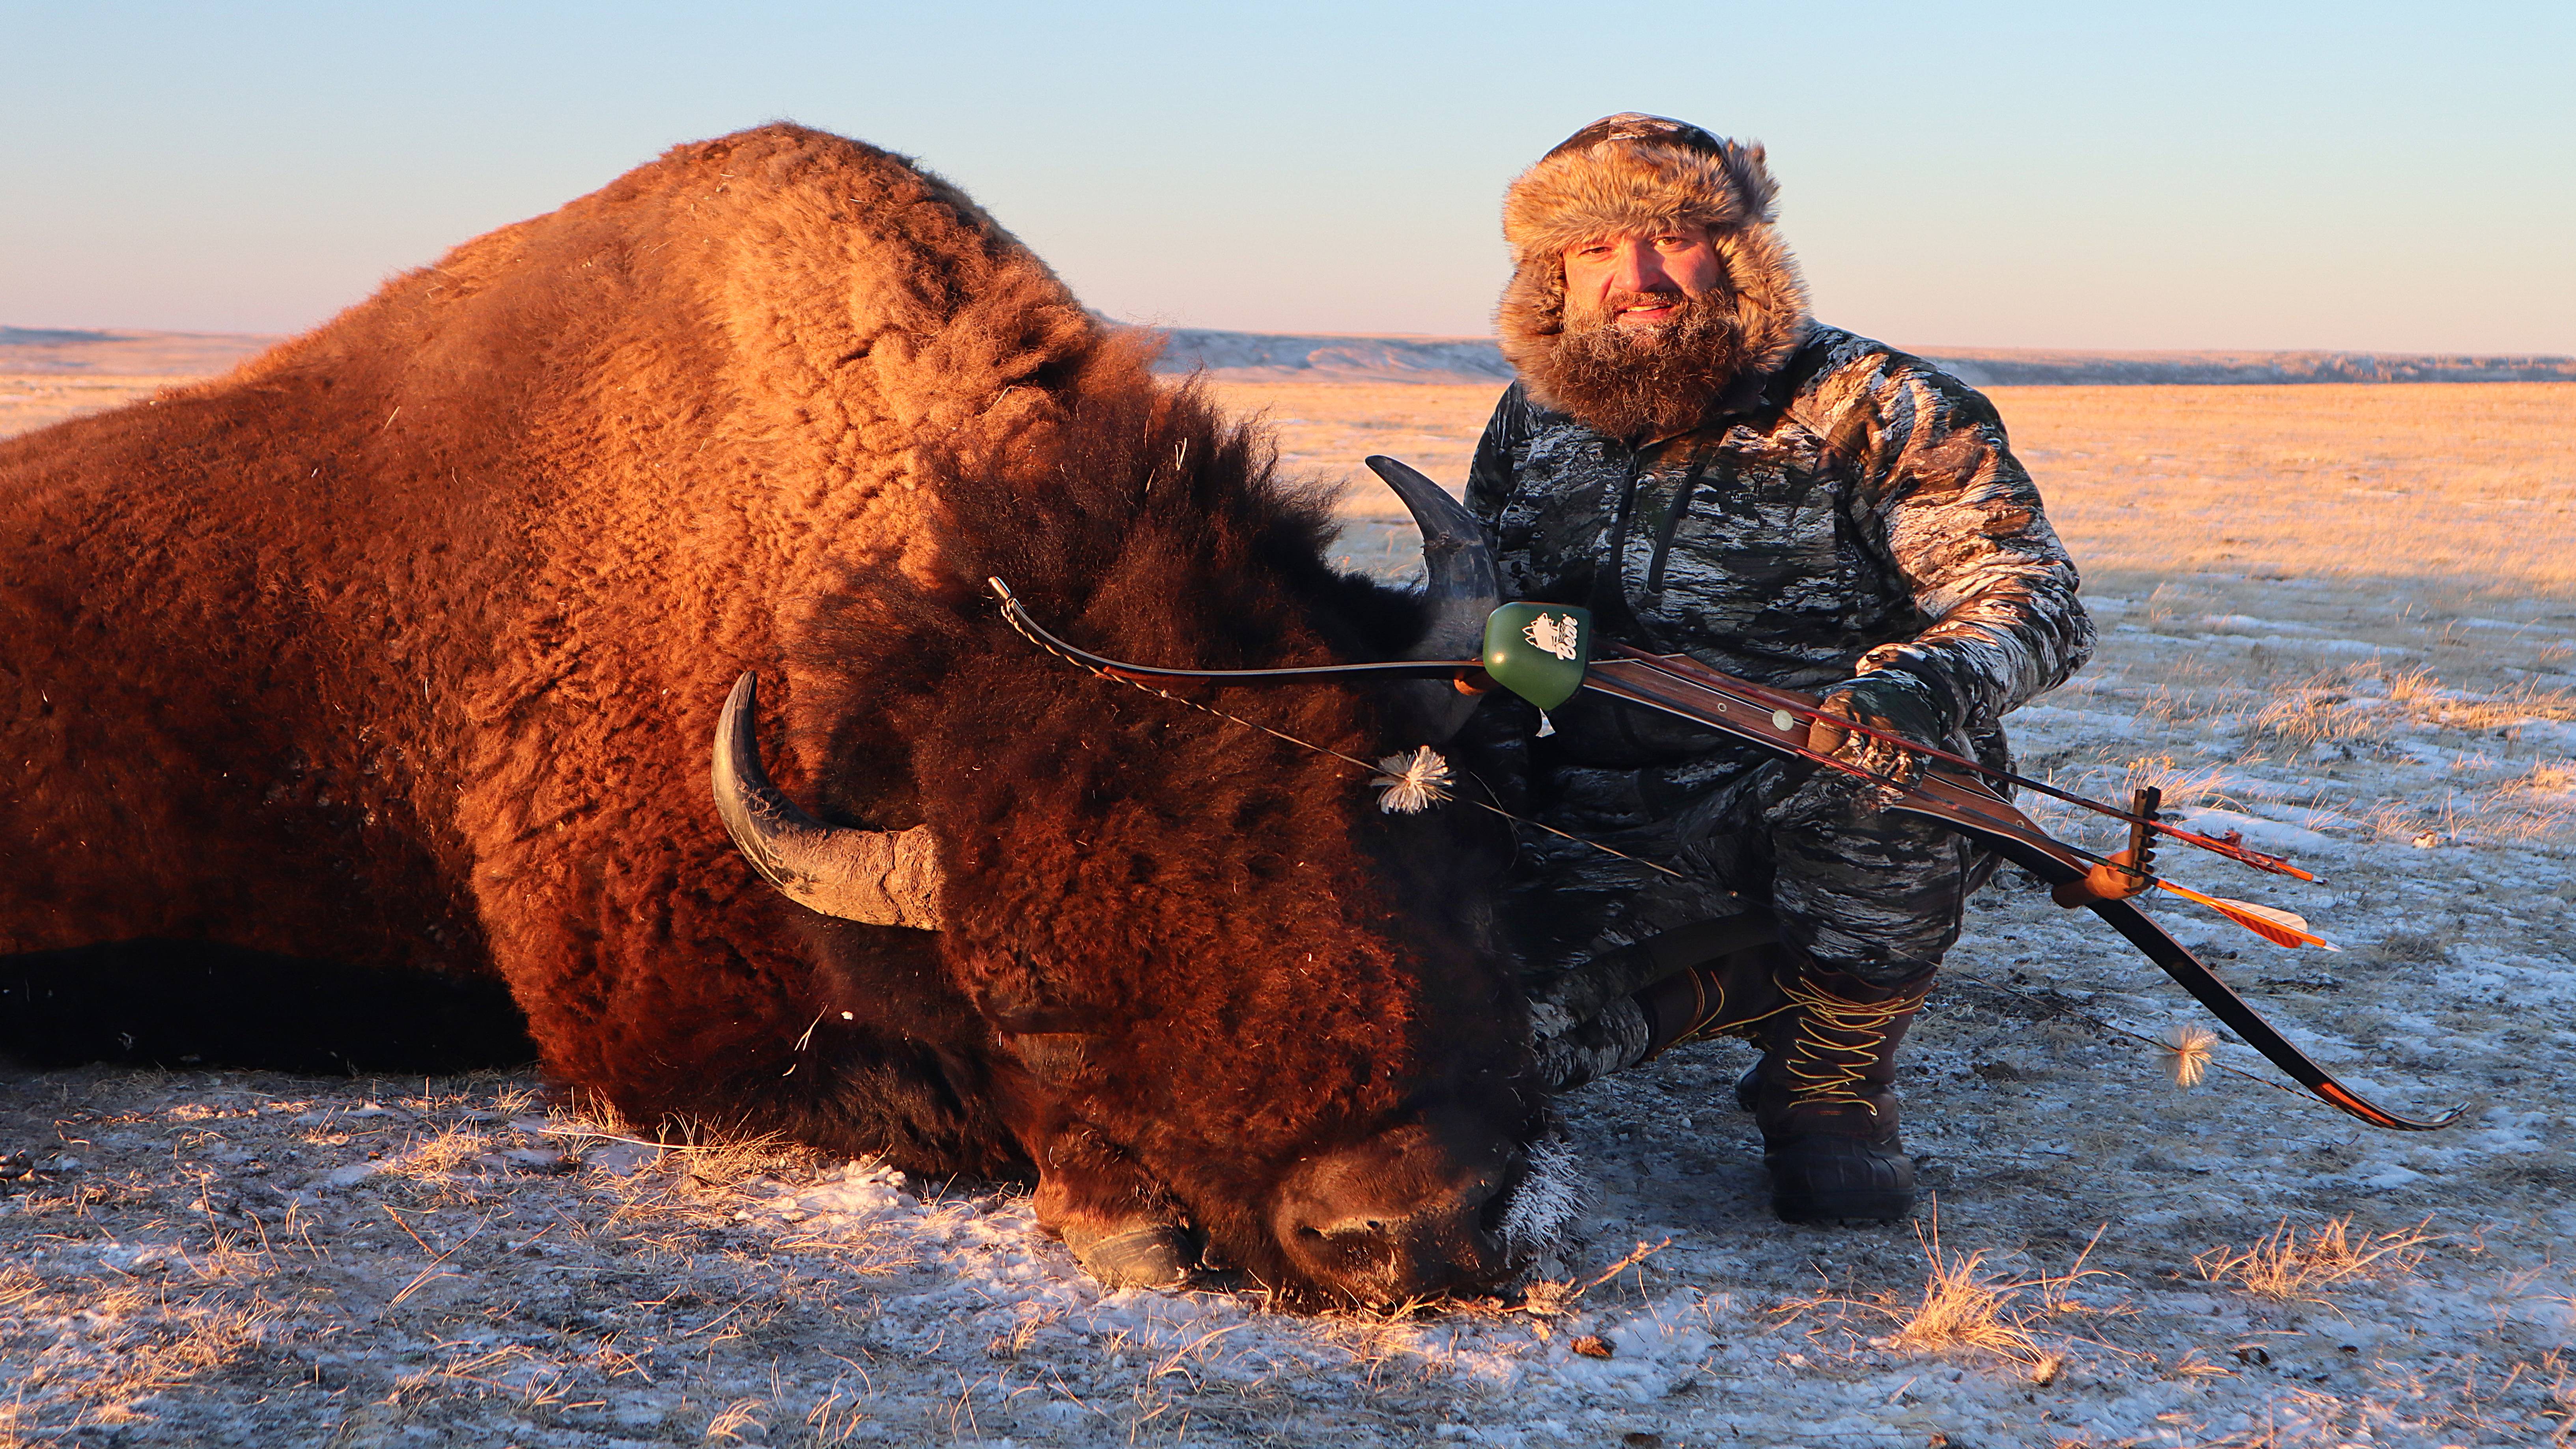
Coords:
pixel 1633 172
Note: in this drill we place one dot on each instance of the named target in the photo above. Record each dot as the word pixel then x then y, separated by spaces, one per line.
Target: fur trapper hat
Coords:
pixel 1631 173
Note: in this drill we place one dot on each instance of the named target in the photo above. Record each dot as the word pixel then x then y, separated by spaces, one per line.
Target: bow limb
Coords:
pixel 2159 946
pixel 1955 799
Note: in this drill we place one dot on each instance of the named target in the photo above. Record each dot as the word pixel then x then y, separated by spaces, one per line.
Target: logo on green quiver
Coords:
pixel 1537 651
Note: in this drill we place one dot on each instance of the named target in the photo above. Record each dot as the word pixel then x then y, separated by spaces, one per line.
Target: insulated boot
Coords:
pixel 1824 1096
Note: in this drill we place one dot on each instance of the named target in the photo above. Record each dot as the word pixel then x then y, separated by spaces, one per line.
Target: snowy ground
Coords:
pixel 227 1257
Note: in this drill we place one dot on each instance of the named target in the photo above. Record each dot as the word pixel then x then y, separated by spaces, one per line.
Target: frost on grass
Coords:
pixel 1966 1306
pixel 262 1259
pixel 1547 1202
pixel 251 1258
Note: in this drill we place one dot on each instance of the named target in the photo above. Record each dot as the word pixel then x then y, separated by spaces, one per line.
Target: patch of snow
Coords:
pixel 630 1301
pixel 340 1179
pixel 2351 648
pixel 2272 836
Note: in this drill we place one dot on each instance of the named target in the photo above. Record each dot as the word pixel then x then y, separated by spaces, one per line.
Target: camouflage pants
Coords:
pixel 1873 893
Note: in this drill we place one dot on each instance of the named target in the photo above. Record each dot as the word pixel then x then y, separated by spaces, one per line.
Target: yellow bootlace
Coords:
pixel 1828 1073
pixel 1708 1020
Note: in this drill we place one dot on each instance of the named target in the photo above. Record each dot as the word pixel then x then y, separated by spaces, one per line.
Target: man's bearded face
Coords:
pixel 1634 328
pixel 1643 348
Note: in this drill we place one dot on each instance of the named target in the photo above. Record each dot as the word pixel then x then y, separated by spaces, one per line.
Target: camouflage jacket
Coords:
pixel 1857 509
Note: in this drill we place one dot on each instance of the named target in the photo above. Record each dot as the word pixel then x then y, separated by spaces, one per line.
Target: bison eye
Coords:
pixel 1043 1020
pixel 1053 1055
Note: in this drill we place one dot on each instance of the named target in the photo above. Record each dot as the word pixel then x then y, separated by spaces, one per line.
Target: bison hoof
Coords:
pixel 1157 1255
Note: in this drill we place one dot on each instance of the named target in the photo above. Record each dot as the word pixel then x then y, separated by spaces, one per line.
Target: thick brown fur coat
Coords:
pixel 400 648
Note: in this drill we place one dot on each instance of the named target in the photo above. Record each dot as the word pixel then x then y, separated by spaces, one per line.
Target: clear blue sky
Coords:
pixel 2175 174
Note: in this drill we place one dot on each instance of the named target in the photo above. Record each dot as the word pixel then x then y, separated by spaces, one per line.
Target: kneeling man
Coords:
pixel 1709 471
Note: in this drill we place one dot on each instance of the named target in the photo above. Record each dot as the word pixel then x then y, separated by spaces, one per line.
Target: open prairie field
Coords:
pixel 49 375
pixel 31 400
pixel 2340 620
pixel 2471 484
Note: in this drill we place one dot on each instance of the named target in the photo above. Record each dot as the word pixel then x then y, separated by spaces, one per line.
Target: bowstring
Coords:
pixel 1011 617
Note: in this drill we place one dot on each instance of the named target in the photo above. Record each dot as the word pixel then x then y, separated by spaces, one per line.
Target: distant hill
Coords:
pixel 2008 367
pixel 1325 357
pixel 1291 357
pixel 125 353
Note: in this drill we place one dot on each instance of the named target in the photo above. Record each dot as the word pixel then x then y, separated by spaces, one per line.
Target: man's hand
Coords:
pixel 2116 881
pixel 1890 700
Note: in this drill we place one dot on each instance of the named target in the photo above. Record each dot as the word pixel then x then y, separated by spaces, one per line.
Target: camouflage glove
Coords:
pixel 1886 699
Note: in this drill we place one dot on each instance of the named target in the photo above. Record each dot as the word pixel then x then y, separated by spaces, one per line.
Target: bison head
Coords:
pixel 1221 1001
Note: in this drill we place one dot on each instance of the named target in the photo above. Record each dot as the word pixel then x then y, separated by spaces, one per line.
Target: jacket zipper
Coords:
pixel 1673 521
pixel 1610 576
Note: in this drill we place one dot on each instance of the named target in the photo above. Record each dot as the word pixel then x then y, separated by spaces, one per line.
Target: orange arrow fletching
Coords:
pixel 2280 927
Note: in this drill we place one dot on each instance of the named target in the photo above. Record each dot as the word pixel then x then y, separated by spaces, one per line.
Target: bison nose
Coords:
pixel 1410 1212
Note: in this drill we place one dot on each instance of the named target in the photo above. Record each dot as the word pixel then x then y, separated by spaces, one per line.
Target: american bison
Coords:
pixel 382 674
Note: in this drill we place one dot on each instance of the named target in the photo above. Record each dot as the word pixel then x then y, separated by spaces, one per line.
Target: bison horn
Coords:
pixel 1460 586
pixel 884 878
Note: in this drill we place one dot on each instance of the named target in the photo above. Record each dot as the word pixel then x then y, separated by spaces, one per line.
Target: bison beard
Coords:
pixel 399 650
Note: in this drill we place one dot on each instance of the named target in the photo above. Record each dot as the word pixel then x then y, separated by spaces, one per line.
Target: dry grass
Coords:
pixel 1024 1332
pixel 205 1287
pixel 1325 429
pixel 1966 1306
pixel 2303 717
pixel 2287 1265
pixel 2479 765
pixel 140 1337
pixel 439 1154
pixel 2422 481
pixel 2183 786
pixel 836 1417
pixel 717 1163
pixel 2430 481
pixel 2534 808
pixel 648 1307
pixel 739 1418
pixel 33 400
pixel 2546 787
pixel 2435 481
pixel 2506 710
pixel 2363 700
